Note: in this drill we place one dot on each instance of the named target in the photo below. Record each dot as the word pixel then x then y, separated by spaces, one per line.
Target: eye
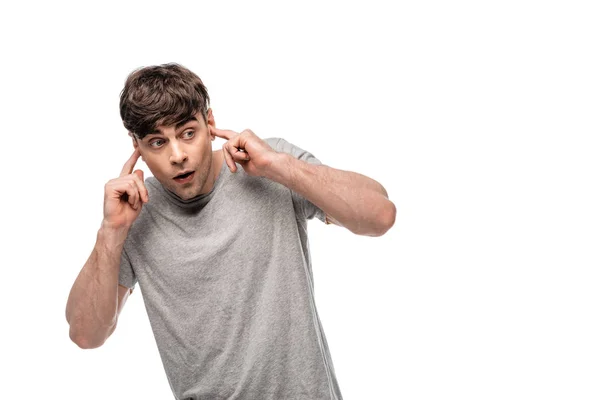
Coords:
pixel 191 134
pixel 152 144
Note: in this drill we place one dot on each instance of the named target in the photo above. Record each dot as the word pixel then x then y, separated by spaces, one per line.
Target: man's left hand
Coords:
pixel 246 149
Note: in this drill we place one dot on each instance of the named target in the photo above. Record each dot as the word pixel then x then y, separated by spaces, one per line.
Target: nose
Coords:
pixel 178 156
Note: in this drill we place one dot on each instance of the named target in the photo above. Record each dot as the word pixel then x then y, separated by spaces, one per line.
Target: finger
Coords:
pixel 130 189
pixel 240 155
pixel 134 197
pixel 138 176
pixel 228 159
pixel 222 133
pixel 236 145
pixel 128 167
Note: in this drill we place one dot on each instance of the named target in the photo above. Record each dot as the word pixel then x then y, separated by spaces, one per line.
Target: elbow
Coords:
pixel 379 225
pixel 86 341
pixel 85 345
pixel 387 219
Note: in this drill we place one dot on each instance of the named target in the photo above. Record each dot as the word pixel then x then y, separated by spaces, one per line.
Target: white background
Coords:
pixel 481 119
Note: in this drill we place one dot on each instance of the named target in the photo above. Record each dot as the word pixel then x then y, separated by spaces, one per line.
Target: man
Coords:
pixel 220 252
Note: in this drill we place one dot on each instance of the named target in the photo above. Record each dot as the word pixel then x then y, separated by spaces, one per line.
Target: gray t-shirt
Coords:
pixel 227 282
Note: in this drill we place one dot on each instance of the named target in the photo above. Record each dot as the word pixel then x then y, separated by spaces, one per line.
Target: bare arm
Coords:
pixel 93 304
pixel 96 299
pixel 350 199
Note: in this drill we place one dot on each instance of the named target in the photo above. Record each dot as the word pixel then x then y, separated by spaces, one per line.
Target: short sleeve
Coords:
pixel 304 208
pixel 126 275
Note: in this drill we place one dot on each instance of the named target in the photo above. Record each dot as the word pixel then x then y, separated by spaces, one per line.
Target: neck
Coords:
pixel 217 163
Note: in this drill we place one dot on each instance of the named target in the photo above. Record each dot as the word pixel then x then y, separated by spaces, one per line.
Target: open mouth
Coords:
pixel 184 178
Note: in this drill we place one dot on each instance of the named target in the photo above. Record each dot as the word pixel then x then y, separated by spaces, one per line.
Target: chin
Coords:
pixel 188 192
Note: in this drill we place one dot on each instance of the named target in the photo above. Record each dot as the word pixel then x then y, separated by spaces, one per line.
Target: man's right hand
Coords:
pixel 124 196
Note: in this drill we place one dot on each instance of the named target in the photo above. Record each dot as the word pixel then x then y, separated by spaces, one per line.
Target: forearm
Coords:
pixel 356 201
pixel 92 305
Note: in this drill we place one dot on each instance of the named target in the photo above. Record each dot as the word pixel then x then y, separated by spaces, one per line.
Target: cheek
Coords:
pixel 153 164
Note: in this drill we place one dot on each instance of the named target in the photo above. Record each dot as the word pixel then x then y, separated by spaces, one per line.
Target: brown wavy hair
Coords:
pixel 161 95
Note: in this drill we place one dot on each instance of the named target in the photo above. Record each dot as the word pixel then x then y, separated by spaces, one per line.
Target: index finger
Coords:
pixel 128 167
pixel 222 133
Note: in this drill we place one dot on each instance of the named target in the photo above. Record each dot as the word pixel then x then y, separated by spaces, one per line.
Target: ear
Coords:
pixel 133 139
pixel 210 120
pixel 135 143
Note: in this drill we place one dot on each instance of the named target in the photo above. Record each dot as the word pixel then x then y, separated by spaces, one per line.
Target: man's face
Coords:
pixel 171 150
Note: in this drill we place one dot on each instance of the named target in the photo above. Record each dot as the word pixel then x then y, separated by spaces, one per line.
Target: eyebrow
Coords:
pixel 177 126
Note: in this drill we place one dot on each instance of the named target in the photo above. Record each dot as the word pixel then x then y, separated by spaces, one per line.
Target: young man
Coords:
pixel 220 252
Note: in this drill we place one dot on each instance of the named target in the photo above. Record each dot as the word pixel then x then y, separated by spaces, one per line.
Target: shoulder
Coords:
pixel 274 142
pixel 283 146
pixel 152 185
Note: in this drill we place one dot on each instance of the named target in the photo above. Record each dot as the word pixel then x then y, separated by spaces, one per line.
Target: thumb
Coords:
pixel 139 173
